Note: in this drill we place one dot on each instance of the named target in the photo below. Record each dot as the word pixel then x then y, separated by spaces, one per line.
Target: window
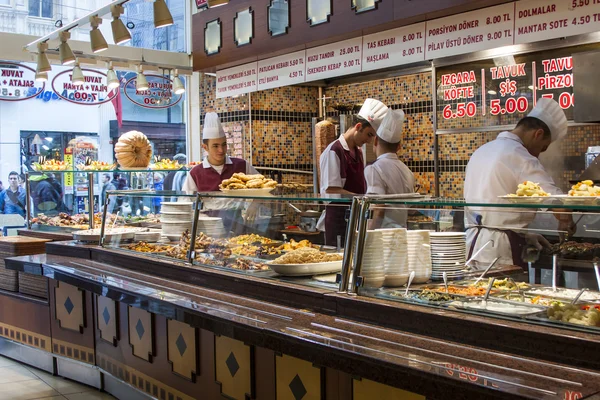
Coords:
pixel 4 2
pixel 279 17
pixel 212 37
pixel 243 27
pixel 364 5
pixel 41 8
pixel 318 11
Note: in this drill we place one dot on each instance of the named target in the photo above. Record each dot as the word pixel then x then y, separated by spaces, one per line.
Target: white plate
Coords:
pixel 447 234
pixel 173 238
pixel 248 192
pixel 306 269
pixel 524 199
pixel 577 200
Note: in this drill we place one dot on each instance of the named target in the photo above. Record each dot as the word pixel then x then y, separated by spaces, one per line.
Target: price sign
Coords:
pixel 394 47
pixel 237 80
pixel 158 95
pixel 458 90
pixel 554 80
pixel 483 29
pixel 333 60
pixel 17 82
pixel 69 181
pixel 542 19
pixel 94 90
pixel 279 71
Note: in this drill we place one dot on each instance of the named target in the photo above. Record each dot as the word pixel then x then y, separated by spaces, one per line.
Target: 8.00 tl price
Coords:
pixel 462 110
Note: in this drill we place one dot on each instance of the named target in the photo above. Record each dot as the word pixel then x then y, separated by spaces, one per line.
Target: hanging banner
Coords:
pixel 543 19
pixel 159 94
pixel 93 92
pixel 394 47
pixel 17 82
pixel 332 60
pixel 280 71
pixel 237 80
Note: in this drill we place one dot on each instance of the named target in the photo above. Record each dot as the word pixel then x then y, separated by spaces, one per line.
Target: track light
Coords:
pixel 77 77
pixel 162 15
pixel 43 65
pixel 41 76
pixel 119 31
pixel 216 3
pixel 112 80
pixel 96 38
pixel 141 83
pixel 178 87
pixel 64 50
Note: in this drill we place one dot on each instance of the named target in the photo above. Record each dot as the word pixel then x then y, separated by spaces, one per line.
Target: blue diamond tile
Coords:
pixel 106 315
pixel 139 328
pixel 232 364
pixel 297 388
pixel 181 346
pixel 69 306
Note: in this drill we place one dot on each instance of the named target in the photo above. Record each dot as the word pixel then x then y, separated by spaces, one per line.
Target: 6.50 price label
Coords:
pixel 462 110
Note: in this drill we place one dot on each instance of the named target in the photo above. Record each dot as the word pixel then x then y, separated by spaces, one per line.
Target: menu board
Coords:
pixel 543 19
pixel 554 80
pixel 459 91
pixel 394 47
pixel 237 80
pixel 285 70
pixel 473 31
pixel 336 59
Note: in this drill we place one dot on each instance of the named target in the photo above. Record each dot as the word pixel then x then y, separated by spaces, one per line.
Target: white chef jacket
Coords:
pixel 496 169
pixel 389 175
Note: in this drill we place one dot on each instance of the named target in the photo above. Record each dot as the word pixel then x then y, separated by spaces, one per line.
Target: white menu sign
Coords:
pixel 237 80
pixel 542 19
pixel 280 71
pixel 334 59
pixel 394 47
pixel 478 30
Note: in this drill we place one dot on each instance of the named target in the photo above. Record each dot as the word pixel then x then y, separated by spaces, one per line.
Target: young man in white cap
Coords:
pixel 496 169
pixel 217 165
pixel 343 166
pixel 389 175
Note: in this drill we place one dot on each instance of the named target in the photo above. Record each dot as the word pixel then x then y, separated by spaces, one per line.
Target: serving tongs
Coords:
pixel 479 251
pixel 486 271
pixel 410 279
pixel 489 289
pixel 576 299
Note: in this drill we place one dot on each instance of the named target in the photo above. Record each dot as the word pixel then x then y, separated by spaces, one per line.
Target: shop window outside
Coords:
pixel 279 17
pixel 41 8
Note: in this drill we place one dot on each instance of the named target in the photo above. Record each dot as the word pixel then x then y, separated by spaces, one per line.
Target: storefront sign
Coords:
pixel 93 92
pixel 459 90
pixel 280 71
pixel 17 82
pixel 473 31
pixel 394 47
pixel 237 80
pixel 543 19
pixel 158 96
pixel 554 80
pixel 334 60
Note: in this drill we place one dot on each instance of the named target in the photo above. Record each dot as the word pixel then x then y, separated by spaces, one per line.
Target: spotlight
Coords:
pixel 162 15
pixel 43 65
pixel 178 87
pixel 141 83
pixel 41 76
pixel 111 78
pixel 58 23
pixel 64 50
pixel 96 38
pixel 217 3
pixel 492 92
pixel 119 31
pixel 77 77
pixel 130 25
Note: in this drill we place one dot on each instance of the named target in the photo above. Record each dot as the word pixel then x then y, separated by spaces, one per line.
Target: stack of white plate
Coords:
pixel 211 226
pixel 176 218
pixel 419 255
pixel 395 256
pixel 372 269
pixel 448 254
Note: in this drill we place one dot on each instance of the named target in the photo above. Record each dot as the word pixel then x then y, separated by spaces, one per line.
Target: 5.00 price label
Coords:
pixel 511 106
pixel 462 110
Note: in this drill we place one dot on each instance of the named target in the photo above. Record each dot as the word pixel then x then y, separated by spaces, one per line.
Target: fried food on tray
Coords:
pixel 243 181
pixel 585 188
pixel 307 255
pixel 529 189
pixel 250 238
pixel 145 247
pixel 255 251
pixel 464 291
pixel 293 245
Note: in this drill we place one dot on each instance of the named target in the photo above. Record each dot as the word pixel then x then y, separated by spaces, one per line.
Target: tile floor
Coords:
pixel 22 382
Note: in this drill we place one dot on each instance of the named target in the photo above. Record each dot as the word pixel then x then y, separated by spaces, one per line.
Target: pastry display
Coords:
pixel 96 166
pixel 529 189
pixel 79 221
pixel 307 255
pixel 50 165
pixel 133 150
pixel 293 245
pixel 585 188
pixel 573 314
pixel 243 181
pixel 166 164
pixel 251 239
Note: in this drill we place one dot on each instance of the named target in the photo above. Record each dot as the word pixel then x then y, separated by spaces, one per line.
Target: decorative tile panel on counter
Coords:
pixel 141 333
pixel 182 350
pixel 233 363
pixel 107 319
pixel 25 337
pixel 297 379
pixel 70 350
pixel 69 307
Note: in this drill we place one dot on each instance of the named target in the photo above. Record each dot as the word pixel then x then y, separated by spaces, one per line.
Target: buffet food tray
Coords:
pixel 56 229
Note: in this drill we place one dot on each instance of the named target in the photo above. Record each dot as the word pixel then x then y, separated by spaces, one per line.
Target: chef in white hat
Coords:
pixel 217 165
pixel 342 166
pixel 388 175
pixel 496 169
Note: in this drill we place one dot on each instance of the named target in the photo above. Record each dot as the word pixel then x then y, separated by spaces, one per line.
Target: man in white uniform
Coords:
pixel 496 169
pixel 389 175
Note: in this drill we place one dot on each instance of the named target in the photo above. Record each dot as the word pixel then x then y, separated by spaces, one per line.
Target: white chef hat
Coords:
pixel 373 111
pixel 390 129
pixel 549 112
pixel 212 127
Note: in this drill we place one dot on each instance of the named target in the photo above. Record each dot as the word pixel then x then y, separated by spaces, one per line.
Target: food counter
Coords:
pixel 224 292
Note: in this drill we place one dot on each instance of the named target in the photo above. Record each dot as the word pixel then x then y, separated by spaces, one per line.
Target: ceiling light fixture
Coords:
pixel 492 92
pixel 96 38
pixel 141 83
pixel 43 65
pixel 41 77
pixel 178 87
pixel 217 3
pixel 77 77
pixel 162 15
pixel 64 50
pixel 112 80
pixel 119 31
